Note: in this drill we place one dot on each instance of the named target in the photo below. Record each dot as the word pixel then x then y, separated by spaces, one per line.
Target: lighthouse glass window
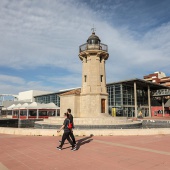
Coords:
pixel 93 42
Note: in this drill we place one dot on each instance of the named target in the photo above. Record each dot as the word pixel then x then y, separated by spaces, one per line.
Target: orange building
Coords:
pixel 158 77
pixel 162 96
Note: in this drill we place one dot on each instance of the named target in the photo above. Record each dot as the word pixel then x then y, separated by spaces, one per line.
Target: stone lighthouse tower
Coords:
pixel 93 96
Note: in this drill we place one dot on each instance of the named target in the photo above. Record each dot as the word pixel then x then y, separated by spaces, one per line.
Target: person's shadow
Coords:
pixel 83 141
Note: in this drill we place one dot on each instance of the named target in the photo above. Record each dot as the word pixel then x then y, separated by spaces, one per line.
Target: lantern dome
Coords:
pixel 93 39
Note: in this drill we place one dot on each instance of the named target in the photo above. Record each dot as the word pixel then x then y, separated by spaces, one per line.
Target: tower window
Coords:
pixel 100 59
pixel 85 78
pixel 101 78
pixel 85 59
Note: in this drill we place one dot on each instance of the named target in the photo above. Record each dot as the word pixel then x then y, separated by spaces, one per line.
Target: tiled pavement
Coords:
pixel 94 153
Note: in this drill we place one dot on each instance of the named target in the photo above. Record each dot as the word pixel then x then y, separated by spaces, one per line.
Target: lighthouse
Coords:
pixel 93 96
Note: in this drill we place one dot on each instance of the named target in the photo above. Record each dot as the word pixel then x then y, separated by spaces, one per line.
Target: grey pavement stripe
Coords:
pixel 133 147
pixel 2 167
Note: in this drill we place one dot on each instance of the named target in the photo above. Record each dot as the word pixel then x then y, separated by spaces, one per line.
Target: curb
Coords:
pixel 94 132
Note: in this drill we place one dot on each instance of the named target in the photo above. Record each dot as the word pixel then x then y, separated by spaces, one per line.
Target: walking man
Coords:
pixel 70 116
pixel 66 134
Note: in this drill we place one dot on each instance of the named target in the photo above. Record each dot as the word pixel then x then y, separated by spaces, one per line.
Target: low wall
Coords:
pixel 27 123
pixel 4 122
pixel 156 123
pixel 134 125
pixel 21 123
pixel 95 132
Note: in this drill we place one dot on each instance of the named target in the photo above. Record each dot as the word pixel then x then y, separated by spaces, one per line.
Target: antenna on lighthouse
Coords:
pixel 93 29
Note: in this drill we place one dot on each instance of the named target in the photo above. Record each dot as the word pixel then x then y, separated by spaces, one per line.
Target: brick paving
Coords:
pixel 94 153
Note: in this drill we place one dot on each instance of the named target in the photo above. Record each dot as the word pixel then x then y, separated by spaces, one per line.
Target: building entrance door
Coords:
pixel 103 105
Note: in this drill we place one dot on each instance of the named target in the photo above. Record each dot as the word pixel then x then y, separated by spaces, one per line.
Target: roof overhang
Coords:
pixel 141 84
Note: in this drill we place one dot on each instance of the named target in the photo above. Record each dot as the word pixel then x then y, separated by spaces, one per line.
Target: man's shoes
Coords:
pixel 59 148
pixel 74 148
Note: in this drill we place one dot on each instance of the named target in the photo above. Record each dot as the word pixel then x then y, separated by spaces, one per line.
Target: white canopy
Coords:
pixel 17 106
pixel 11 107
pixel 51 106
pixel 33 105
pixel 24 106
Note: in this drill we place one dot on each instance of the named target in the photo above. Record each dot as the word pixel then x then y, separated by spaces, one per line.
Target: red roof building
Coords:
pixel 158 77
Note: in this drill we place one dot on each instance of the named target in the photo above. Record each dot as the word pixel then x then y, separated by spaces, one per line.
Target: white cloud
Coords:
pixel 66 81
pixel 33 35
pixel 48 33
pixel 11 79
pixel 131 57
pixel 13 85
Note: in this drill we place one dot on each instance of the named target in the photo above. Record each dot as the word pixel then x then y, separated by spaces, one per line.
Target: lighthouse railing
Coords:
pixel 87 46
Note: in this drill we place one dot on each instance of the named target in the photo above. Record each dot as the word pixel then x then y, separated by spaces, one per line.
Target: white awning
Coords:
pixel 24 106
pixel 17 106
pixel 33 105
pixel 11 107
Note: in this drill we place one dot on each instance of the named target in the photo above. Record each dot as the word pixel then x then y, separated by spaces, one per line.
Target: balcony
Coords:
pixel 87 46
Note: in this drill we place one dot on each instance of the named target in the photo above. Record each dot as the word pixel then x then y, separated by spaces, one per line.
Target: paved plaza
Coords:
pixel 94 153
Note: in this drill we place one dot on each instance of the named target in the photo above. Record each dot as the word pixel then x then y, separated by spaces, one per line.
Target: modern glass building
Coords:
pixel 49 98
pixel 132 98
pixel 128 98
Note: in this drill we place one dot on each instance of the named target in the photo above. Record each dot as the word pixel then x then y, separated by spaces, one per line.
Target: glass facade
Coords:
pixel 121 100
pixel 50 98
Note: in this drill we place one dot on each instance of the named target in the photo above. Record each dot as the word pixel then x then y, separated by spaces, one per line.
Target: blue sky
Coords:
pixel 39 40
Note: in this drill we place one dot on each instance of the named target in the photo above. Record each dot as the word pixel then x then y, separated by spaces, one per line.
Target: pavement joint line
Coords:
pixel 133 147
pixel 18 160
